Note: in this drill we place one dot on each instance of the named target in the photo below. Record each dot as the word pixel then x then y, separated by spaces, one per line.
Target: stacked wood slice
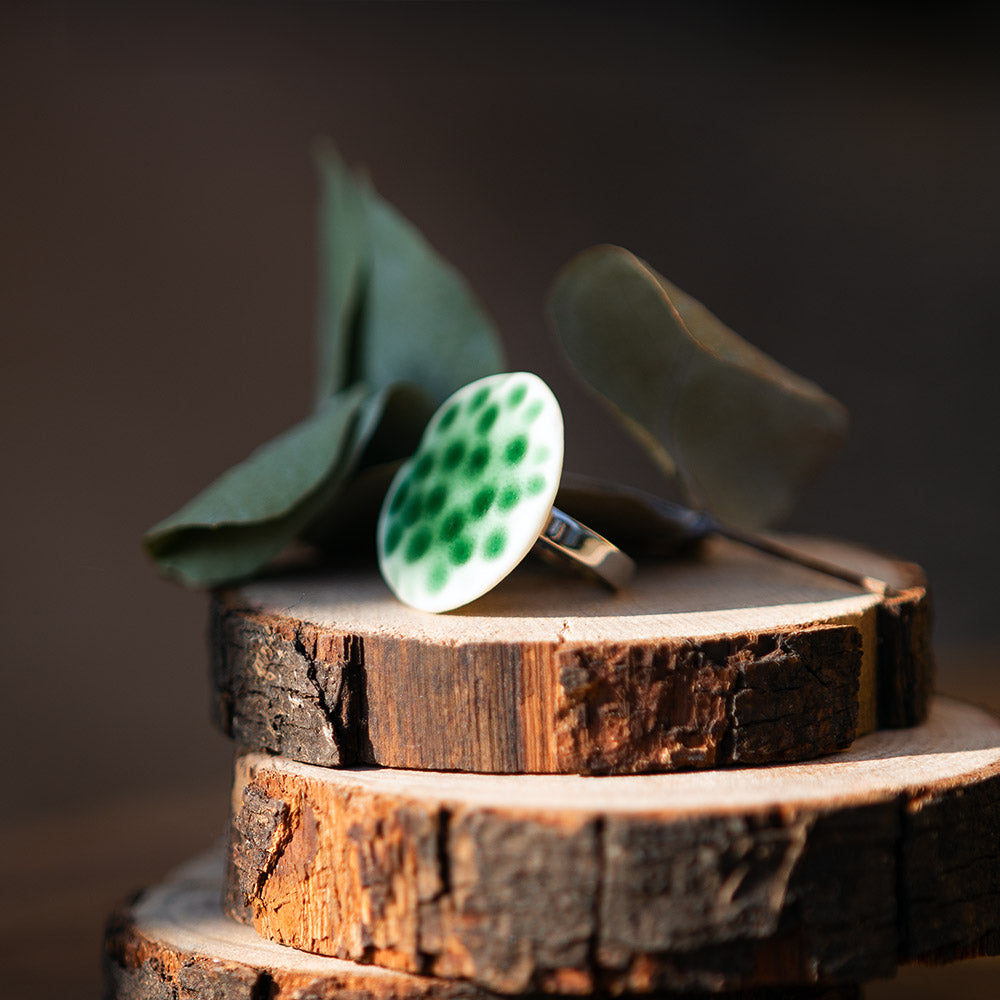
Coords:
pixel 730 778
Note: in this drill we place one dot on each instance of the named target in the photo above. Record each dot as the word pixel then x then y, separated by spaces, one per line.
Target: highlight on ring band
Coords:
pixel 477 496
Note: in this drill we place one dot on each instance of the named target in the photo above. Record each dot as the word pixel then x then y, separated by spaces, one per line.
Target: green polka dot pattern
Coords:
pixel 467 507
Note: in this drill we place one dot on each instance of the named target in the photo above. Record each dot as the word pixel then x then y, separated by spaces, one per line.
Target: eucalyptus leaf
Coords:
pixel 391 308
pixel 389 426
pixel 343 262
pixel 244 518
pixel 349 528
pixel 200 557
pixel 421 321
pixel 399 330
pixel 647 525
pixel 741 432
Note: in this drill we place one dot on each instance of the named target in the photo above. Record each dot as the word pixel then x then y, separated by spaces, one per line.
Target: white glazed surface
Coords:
pixel 469 505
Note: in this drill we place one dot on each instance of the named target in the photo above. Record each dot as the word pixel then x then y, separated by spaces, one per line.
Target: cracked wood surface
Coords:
pixel 731 658
pixel 173 942
pixel 832 871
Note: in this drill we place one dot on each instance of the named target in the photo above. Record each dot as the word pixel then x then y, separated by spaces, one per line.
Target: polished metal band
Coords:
pixel 567 542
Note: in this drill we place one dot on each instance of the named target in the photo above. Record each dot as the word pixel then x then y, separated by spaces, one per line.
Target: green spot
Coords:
pixel 413 511
pixel 541 454
pixel 448 417
pixel 418 545
pixel 509 497
pixel 399 498
pixel 435 500
pixel 424 465
pixel 478 400
pixel 488 418
pixel 453 454
pixel 479 459
pixel 535 485
pixel 452 525
pixel 515 450
pixel 482 501
pixel 533 410
pixel 460 551
pixel 516 395
pixel 393 537
pixel 437 578
pixel 495 543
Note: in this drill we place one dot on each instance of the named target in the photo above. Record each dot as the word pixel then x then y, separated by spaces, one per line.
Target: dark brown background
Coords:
pixel 827 184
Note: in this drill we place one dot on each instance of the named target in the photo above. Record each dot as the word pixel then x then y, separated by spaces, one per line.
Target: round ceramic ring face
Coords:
pixel 468 506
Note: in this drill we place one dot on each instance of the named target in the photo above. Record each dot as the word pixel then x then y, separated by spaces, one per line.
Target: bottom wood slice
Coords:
pixel 828 872
pixel 173 942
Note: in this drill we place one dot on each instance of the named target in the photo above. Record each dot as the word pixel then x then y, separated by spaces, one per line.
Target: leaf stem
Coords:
pixel 767 545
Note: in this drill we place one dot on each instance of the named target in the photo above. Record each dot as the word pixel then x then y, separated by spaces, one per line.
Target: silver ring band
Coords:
pixel 568 543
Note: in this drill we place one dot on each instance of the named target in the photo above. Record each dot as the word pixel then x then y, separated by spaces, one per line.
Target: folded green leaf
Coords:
pixel 227 554
pixel 399 330
pixel 389 429
pixel 344 257
pixel 741 432
pixel 391 308
pixel 421 321
pixel 244 519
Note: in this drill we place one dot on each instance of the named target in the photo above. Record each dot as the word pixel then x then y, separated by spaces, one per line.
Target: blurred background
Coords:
pixel 825 181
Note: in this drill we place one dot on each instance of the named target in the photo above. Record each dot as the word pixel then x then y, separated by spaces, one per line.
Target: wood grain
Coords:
pixel 172 942
pixel 832 871
pixel 731 658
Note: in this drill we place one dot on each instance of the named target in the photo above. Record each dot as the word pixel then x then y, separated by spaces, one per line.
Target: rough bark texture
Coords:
pixel 905 658
pixel 950 876
pixel 750 699
pixel 280 683
pixel 337 694
pixel 657 895
pixel 171 943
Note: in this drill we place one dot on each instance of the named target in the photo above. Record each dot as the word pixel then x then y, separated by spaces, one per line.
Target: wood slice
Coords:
pixel 731 658
pixel 831 871
pixel 172 942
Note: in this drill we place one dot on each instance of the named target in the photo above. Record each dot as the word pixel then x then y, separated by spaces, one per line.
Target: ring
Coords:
pixel 566 542
pixel 478 495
